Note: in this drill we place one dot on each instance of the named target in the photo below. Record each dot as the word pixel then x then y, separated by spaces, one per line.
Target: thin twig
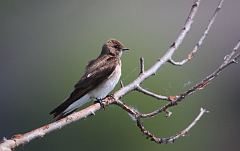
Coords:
pixel 141 65
pixel 228 60
pixel 198 45
pixel 10 144
pixel 187 129
pixel 152 70
pixel 149 93
pixel 170 139
pixel 121 84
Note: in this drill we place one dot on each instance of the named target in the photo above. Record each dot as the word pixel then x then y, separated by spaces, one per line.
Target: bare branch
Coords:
pixel 152 70
pixel 198 45
pixel 187 129
pixel 228 60
pixel 170 139
pixel 20 139
pixel 156 96
pixel 135 113
pixel 10 144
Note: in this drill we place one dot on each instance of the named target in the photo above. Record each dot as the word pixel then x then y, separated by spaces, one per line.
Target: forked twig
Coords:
pixel 20 139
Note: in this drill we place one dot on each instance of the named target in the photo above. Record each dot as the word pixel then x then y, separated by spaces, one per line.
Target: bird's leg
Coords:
pixel 100 101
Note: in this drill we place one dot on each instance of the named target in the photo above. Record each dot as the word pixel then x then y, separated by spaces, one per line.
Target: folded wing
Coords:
pixel 96 72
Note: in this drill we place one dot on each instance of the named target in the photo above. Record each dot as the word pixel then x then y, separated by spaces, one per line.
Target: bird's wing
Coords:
pixel 97 71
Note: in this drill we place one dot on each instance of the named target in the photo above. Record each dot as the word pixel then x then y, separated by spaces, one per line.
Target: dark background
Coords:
pixel 45 45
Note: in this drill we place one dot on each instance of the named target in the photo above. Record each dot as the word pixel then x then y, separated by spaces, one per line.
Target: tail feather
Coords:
pixel 66 108
pixel 58 112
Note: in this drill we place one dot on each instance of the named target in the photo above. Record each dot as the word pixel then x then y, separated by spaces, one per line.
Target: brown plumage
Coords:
pixel 97 73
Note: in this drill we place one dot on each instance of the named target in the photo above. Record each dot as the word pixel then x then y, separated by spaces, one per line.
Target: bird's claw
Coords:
pixel 100 101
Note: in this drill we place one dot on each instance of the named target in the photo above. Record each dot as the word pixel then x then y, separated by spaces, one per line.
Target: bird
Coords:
pixel 101 76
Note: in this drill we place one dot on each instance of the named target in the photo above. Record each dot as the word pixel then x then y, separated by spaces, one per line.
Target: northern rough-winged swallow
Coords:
pixel 100 78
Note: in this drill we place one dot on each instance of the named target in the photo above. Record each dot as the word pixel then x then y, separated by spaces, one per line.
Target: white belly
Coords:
pixel 106 87
pixel 99 92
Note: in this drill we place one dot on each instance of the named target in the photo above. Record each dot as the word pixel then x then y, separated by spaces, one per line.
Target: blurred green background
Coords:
pixel 45 45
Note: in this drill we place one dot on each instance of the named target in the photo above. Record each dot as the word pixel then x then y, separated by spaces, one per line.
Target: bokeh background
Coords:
pixel 45 45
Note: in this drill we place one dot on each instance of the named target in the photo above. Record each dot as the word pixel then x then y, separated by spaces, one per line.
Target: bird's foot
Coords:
pixel 100 101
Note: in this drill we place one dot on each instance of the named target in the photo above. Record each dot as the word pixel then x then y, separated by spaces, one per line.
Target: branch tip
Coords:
pixel 168 113
pixel 204 110
pixel 235 61
pixel 200 42
pixel 142 65
pixel 9 144
pixel 170 139
pixel 121 84
pixel 149 93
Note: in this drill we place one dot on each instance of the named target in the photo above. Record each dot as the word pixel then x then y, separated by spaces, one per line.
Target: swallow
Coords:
pixel 101 76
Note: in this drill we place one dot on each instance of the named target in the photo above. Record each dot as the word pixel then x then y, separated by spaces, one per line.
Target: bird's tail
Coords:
pixel 68 107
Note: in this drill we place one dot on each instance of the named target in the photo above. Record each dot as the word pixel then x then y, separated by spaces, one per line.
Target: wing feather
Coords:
pixel 96 72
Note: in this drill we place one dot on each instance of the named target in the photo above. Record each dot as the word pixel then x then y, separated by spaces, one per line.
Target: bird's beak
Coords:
pixel 123 49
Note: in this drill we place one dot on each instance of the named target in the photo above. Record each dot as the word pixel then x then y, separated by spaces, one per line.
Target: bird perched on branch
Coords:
pixel 100 78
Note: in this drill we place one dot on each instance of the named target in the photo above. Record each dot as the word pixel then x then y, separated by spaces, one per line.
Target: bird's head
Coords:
pixel 113 47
